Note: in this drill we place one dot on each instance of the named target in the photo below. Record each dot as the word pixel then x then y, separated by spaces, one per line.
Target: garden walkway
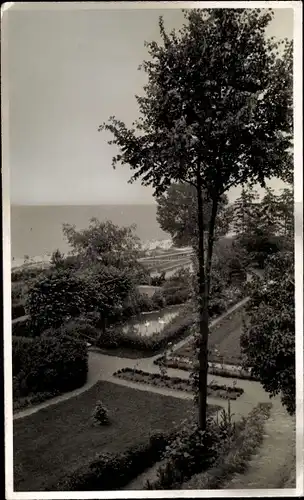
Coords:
pixel 273 465
pixel 102 367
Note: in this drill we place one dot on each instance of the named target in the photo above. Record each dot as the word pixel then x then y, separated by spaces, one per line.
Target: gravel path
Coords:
pixel 274 461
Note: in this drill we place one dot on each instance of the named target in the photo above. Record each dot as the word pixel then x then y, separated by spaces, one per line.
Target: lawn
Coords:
pixel 58 439
pixel 225 337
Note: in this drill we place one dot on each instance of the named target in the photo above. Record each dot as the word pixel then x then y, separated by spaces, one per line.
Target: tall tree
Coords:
pixel 268 341
pixel 216 113
pixel 263 227
pixel 177 214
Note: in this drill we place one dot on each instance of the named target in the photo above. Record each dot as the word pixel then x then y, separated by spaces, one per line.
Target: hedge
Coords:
pixel 113 471
pixel 51 364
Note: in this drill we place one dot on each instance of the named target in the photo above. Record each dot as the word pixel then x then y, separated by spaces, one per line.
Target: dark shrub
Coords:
pixel 101 414
pixel 26 274
pixel 18 310
pixel 76 329
pixel 48 364
pixel 21 328
pixel 178 296
pixel 159 300
pixel 110 471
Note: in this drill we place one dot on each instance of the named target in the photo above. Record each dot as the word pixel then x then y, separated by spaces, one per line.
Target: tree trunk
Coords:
pixel 203 314
pixel 211 242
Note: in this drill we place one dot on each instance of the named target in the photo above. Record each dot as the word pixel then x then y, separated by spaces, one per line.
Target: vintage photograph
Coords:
pixel 150 340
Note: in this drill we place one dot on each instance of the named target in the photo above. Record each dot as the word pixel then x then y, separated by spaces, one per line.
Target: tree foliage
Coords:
pixel 62 295
pixel 216 112
pixel 263 227
pixel 177 214
pixel 268 341
pixel 104 242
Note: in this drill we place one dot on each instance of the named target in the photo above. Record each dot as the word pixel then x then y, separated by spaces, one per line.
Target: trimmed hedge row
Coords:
pixel 113 471
pixel 51 364
pixel 236 455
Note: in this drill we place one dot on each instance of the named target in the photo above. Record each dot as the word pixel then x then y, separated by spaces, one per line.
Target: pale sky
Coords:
pixel 68 72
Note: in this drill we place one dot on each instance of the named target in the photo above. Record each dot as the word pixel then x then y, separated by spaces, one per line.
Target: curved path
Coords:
pixel 102 367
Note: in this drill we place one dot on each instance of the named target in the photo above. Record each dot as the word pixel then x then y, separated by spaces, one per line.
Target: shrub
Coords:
pixel 236 453
pixel 18 310
pixel 101 414
pixel 192 451
pixel 26 274
pixel 79 329
pixel 22 328
pixel 54 299
pixel 47 364
pixel 159 300
pixel 110 471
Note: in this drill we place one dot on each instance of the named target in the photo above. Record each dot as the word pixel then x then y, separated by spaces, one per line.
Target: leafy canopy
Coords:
pixel 268 341
pixel 103 242
pixel 64 294
pixel 218 103
pixel 263 227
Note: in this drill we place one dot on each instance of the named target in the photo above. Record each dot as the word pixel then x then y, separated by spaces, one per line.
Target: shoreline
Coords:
pixel 36 260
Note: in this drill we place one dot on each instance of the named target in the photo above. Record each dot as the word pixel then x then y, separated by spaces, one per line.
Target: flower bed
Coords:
pixel 187 364
pixel 177 383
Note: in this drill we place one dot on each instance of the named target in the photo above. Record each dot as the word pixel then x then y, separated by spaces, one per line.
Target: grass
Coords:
pixel 58 439
pixel 225 337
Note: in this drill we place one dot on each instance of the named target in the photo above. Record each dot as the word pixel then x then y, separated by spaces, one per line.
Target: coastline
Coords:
pixel 42 260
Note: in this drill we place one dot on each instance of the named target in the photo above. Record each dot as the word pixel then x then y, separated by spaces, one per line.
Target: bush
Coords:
pixel 110 471
pixel 101 414
pixel 192 451
pixel 175 297
pixel 22 328
pixel 26 274
pixel 235 454
pixel 18 310
pixel 80 329
pixel 55 298
pixel 47 364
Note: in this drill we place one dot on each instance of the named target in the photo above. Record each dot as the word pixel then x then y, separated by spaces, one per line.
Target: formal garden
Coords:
pixel 171 390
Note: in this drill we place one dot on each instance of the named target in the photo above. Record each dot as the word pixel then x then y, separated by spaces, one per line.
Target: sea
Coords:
pixel 36 231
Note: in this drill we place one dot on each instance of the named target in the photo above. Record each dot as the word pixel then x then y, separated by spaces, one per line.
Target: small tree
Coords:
pixel 217 113
pixel 101 414
pixel 57 259
pixel 104 242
